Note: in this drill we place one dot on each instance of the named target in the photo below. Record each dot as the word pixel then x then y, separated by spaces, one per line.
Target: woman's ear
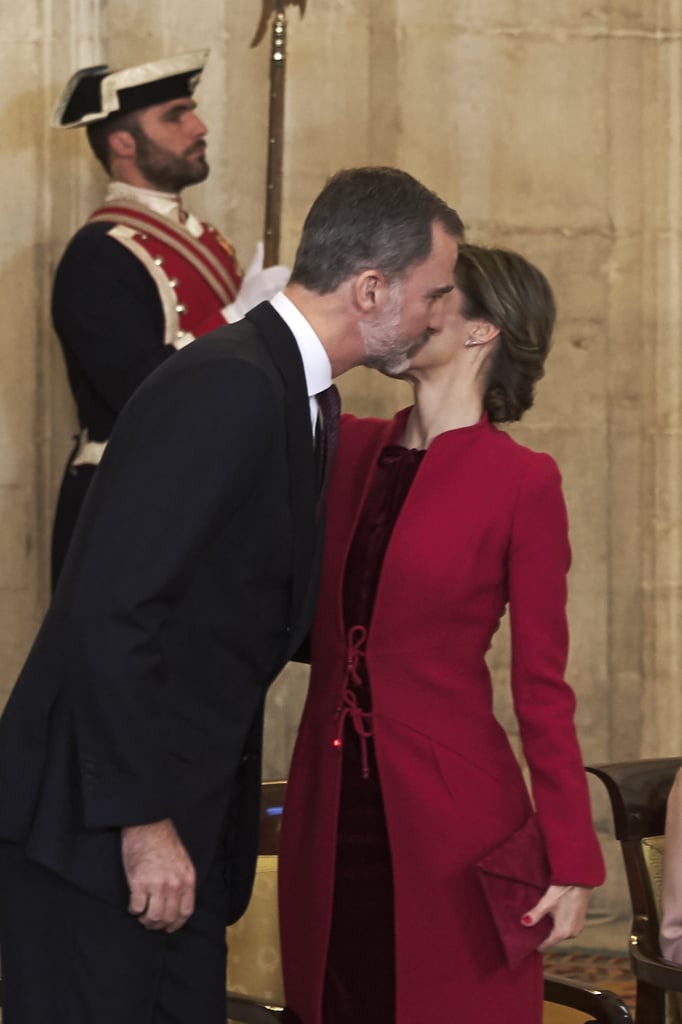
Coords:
pixel 482 333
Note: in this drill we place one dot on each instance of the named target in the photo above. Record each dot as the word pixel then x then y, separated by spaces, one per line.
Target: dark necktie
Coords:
pixel 329 402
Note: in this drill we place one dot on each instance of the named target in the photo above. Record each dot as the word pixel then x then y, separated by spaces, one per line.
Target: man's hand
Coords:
pixel 567 905
pixel 160 875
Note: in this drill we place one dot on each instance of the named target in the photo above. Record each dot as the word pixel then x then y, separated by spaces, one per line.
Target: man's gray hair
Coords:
pixel 369 217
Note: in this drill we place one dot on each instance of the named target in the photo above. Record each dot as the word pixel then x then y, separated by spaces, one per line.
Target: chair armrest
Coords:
pixel 245 1010
pixel 603 1006
pixel 653 969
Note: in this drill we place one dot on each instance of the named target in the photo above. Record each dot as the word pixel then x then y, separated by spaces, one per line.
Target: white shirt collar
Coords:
pixel 167 204
pixel 316 365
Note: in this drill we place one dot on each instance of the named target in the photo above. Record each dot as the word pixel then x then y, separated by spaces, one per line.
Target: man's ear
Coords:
pixel 370 291
pixel 122 144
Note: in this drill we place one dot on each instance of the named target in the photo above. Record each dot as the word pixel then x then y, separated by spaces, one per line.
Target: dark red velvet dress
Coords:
pixel 359 986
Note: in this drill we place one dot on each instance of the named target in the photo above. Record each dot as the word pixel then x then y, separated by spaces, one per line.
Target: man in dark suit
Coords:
pixel 130 746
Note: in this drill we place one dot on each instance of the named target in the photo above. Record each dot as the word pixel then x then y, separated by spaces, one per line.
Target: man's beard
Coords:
pixel 166 171
pixel 384 347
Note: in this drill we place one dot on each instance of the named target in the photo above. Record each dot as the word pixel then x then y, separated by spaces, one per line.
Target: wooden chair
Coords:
pixel 638 791
pixel 244 1010
pixel 603 1007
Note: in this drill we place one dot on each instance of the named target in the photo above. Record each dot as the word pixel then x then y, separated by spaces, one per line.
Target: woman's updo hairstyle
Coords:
pixel 503 288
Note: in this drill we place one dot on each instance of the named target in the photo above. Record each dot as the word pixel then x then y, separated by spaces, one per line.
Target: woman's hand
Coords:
pixel 567 905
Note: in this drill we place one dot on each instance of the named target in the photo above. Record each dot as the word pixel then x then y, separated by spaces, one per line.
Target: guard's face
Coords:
pixel 171 145
pixel 414 310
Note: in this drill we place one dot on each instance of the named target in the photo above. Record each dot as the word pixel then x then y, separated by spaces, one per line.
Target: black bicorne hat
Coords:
pixel 96 93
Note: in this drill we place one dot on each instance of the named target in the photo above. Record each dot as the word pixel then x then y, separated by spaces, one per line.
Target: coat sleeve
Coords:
pixel 107 313
pixel 186 453
pixel 539 560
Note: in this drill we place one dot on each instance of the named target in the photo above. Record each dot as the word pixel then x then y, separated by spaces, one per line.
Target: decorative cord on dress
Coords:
pixel 349 707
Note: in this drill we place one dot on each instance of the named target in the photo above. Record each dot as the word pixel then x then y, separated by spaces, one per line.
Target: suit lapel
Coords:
pixel 284 352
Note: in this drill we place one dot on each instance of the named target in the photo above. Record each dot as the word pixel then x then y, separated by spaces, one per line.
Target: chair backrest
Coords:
pixel 638 792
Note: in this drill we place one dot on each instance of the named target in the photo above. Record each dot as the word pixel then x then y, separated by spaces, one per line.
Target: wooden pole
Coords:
pixel 278 56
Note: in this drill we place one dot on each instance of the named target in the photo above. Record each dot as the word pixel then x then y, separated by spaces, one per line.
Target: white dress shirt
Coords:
pixel 316 365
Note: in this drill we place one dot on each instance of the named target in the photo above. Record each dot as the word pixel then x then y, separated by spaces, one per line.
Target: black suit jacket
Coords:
pixel 190 582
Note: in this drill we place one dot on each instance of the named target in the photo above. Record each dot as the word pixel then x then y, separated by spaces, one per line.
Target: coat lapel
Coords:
pixel 284 352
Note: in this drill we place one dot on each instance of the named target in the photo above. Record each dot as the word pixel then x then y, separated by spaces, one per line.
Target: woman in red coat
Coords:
pixel 402 779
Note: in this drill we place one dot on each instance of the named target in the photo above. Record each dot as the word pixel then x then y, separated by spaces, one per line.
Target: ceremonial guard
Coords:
pixel 143 277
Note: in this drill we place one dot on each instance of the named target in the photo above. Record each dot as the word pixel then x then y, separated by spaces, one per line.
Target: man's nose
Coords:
pixel 437 317
pixel 198 127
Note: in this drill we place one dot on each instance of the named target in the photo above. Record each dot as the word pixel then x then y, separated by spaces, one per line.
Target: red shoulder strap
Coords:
pixel 216 273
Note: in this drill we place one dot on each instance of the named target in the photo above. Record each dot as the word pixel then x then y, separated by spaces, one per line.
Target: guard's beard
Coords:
pixel 169 172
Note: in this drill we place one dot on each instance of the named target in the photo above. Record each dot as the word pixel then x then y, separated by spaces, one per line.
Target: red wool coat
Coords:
pixel 483 526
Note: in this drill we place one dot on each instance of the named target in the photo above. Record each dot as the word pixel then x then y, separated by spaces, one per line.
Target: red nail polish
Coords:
pixel 526 919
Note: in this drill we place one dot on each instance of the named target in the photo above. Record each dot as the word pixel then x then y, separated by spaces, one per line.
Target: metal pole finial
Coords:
pixel 270 8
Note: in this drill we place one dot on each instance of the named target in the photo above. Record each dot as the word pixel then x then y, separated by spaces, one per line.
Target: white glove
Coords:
pixel 258 284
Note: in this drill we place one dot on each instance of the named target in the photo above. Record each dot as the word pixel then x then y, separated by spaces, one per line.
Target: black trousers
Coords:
pixel 69 958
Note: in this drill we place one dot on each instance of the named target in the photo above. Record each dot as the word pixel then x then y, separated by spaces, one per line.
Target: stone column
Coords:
pixel 660 133
pixel 36 52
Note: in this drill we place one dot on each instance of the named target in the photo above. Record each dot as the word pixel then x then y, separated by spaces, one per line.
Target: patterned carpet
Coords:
pixel 596 969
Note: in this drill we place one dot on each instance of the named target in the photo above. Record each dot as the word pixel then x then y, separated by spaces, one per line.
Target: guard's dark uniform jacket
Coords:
pixel 132 287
